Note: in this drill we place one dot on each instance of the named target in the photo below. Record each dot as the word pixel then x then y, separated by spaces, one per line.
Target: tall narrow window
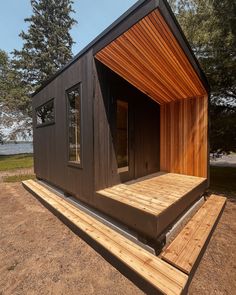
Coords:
pixel 74 122
pixel 45 114
pixel 122 136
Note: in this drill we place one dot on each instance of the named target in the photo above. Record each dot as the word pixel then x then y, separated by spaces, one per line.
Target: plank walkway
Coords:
pixel 160 274
pixel 185 250
pixel 155 193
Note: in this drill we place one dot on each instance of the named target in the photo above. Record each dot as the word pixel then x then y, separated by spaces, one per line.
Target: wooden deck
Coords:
pixel 164 278
pixel 161 196
pixel 170 273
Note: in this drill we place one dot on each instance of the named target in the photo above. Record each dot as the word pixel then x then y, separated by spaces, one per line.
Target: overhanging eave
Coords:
pixel 149 57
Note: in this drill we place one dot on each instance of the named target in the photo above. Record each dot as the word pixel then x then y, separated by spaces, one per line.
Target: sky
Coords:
pixel 93 16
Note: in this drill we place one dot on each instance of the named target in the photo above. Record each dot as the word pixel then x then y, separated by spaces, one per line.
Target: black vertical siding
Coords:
pixel 50 142
pixel 100 89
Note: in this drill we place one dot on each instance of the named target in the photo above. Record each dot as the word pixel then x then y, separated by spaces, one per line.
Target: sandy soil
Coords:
pixel 40 255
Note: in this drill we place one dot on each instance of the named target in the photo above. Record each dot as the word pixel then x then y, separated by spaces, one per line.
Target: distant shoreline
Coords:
pixel 21 154
pixel 16 148
pixel 15 142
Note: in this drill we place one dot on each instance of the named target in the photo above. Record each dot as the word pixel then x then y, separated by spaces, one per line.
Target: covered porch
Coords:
pixel 150 53
pixel 150 204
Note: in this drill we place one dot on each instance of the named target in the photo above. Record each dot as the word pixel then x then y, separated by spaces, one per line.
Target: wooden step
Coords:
pixel 160 274
pixel 186 249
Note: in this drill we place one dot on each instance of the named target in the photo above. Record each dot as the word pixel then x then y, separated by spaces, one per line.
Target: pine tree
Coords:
pixel 46 48
pixel 47 43
pixel 15 106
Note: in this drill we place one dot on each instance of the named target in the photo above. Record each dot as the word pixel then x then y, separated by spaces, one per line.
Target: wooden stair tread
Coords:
pixel 184 251
pixel 164 277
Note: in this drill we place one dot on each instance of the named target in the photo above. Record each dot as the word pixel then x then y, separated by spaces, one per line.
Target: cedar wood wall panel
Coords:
pixel 184 137
pixel 150 58
pixel 50 142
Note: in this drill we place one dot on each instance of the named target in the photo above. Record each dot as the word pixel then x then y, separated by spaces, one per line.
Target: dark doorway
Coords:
pixel 136 130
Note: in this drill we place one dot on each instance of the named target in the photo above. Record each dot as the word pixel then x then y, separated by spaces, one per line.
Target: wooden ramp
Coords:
pixel 186 249
pixel 161 275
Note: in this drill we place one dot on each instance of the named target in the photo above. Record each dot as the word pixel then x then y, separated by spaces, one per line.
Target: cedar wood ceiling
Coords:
pixel 149 57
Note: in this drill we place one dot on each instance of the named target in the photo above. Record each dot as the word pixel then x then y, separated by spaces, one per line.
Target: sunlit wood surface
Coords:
pixel 184 133
pixel 155 193
pixel 150 58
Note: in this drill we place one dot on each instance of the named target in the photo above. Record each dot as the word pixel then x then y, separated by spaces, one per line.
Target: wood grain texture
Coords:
pixel 155 193
pixel 183 252
pixel 184 137
pixel 150 58
pixel 165 278
pixel 149 205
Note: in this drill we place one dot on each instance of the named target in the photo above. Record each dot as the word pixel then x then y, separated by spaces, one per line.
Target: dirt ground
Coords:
pixel 15 172
pixel 40 255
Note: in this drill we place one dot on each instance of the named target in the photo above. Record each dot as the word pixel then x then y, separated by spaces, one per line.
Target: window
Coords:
pixel 122 136
pixel 45 114
pixel 74 123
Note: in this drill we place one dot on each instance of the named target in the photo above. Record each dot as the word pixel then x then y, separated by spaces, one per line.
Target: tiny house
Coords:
pixel 123 127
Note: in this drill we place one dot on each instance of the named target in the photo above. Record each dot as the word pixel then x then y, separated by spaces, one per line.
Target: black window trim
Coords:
pixel 74 164
pixel 54 114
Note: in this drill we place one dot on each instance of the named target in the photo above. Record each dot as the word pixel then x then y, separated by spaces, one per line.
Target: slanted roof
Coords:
pixel 149 57
pixel 147 47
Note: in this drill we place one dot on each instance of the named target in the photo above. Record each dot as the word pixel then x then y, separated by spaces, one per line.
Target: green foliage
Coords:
pixel 210 27
pixel 18 177
pixel 15 110
pixel 222 128
pixel 47 44
pixel 222 179
pixel 16 162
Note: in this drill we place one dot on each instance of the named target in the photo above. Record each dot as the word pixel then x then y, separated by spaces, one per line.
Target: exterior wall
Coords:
pixel 50 142
pixel 184 137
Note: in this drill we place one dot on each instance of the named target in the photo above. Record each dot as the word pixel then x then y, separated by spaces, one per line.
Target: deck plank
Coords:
pixel 138 195
pixel 183 252
pixel 124 198
pixel 154 193
pixel 157 272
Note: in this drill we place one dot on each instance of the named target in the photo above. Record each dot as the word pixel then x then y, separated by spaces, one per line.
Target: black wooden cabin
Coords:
pixel 124 126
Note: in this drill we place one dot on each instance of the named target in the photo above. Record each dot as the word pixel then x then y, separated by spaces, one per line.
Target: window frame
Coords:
pixel 123 169
pixel 54 114
pixel 69 162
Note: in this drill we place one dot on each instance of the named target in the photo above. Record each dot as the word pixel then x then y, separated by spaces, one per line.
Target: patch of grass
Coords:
pixel 18 178
pixel 223 179
pixel 12 162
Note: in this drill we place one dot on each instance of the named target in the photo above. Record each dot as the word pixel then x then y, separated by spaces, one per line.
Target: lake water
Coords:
pixel 16 148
